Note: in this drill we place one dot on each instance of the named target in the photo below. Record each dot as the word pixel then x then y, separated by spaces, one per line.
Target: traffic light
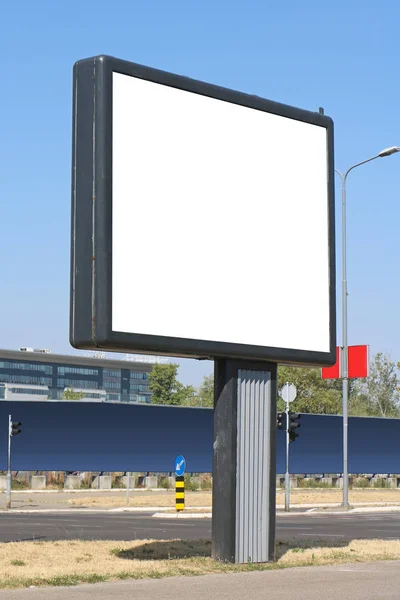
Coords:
pixel 293 425
pixel 280 420
pixel 15 427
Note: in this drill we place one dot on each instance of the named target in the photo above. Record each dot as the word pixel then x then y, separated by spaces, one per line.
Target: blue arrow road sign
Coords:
pixel 180 465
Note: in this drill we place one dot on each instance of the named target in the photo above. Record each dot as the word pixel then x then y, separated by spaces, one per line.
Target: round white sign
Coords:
pixel 288 393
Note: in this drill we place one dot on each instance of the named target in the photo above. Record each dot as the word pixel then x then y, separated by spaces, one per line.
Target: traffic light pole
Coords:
pixel 287 477
pixel 9 463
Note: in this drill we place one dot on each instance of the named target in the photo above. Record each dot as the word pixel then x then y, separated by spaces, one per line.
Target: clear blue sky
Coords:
pixel 341 55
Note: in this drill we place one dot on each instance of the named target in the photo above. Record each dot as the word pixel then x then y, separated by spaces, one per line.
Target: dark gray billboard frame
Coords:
pixel 91 273
pixel 245 376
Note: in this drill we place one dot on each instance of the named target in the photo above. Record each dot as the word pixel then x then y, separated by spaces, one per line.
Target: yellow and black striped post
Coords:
pixel 180 492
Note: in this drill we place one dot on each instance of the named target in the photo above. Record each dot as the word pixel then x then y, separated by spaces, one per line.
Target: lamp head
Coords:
pixel 389 151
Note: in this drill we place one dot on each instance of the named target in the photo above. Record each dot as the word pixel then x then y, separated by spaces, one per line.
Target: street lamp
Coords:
pixel 345 380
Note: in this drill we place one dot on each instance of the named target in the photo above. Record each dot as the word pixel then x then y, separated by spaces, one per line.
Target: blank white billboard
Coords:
pixel 219 220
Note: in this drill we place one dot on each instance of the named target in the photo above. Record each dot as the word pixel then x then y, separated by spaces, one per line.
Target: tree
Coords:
pixel 206 391
pixel 185 394
pixel 70 394
pixel 378 394
pixel 165 387
pixel 314 394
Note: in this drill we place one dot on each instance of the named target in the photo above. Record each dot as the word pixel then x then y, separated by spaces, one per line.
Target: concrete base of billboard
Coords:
pixel 393 482
pixel 150 482
pixel 38 482
pixel 102 482
pixel 3 482
pixel 124 480
pixel 72 482
pixel 390 482
pixel 339 482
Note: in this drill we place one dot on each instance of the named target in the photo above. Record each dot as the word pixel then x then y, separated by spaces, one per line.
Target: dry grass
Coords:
pixel 319 496
pixel 24 564
pixel 166 499
pixel 192 499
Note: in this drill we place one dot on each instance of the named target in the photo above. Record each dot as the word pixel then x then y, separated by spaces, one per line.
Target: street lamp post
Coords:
pixel 344 362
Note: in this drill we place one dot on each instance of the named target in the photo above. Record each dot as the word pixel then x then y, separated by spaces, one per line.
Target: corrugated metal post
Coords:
pixel 244 471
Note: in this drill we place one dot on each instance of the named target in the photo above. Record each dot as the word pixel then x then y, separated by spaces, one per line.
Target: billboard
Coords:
pixel 202 220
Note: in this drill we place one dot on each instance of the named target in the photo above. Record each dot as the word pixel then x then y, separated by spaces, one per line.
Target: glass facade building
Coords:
pixel 37 375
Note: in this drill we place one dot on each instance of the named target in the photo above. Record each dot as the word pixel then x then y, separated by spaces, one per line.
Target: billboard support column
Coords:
pixel 244 471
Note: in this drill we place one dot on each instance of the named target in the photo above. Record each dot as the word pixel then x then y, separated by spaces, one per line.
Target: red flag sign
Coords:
pixel 357 364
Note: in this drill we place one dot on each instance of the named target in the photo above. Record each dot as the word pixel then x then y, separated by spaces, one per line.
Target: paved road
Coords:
pixel 61 499
pixel 129 526
pixel 359 582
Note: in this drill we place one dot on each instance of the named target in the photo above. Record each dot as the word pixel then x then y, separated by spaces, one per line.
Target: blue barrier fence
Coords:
pixel 79 436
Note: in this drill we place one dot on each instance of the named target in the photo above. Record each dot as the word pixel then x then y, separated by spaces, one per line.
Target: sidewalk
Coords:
pixel 361 581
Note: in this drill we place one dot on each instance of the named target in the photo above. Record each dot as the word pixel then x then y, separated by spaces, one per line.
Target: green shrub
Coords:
pixel 360 482
pixel 164 483
pixel 84 485
pixel 117 483
pixel 190 484
pixel 309 482
pixel 381 483
pixel 17 484
pixel 206 483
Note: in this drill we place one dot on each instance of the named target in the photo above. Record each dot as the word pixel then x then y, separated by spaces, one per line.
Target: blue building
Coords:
pixel 30 374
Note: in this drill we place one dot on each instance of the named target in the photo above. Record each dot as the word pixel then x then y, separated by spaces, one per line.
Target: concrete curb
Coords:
pixel 338 505
pixel 355 510
pixel 181 515
pixel 133 509
pixel 152 508
pixel 311 505
pixel 169 512
pixel 90 491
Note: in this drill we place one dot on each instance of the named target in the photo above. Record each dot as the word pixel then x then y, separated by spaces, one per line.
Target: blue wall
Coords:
pixel 318 449
pixel 77 436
